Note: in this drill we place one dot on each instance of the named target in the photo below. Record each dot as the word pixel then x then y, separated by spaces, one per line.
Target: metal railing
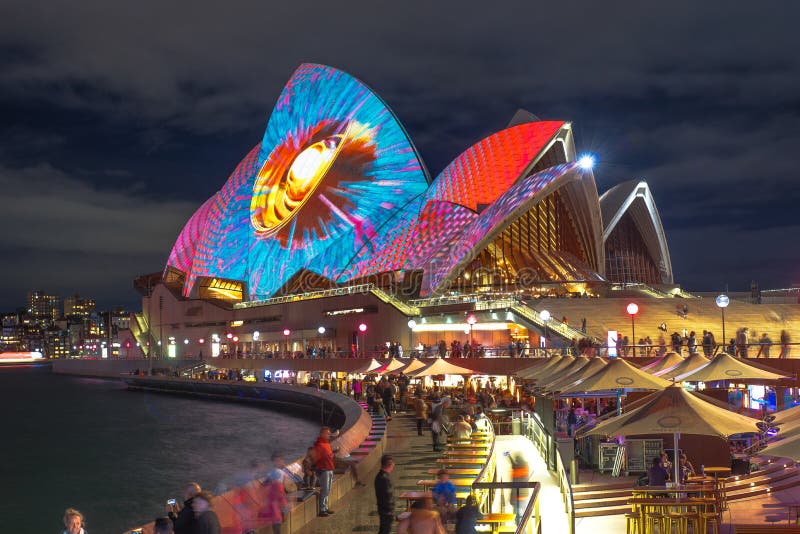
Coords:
pixel 533 428
pixel 487 473
pixel 530 520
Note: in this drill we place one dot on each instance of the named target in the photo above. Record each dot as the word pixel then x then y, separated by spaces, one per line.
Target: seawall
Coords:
pixel 333 409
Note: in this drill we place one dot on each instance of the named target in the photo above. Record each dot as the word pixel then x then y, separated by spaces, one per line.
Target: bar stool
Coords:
pixel 681 522
pixel 632 523
pixel 711 518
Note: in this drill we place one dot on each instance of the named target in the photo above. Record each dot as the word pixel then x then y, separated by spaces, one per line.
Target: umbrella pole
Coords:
pixel 675 462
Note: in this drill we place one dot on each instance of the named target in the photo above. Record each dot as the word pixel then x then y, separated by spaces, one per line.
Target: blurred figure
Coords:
pixel 420 412
pixel 73 522
pixel 444 494
pixel 163 525
pixel 441 424
pixel 785 340
pixel 183 517
pixel 275 504
pixel 206 520
pixel 462 429
pixel 520 472
pixel 481 422
pixel 467 516
pixel 423 519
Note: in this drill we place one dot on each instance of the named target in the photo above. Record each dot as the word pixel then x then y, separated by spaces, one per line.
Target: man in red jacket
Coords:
pixel 323 455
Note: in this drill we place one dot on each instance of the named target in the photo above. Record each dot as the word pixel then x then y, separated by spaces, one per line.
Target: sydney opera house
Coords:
pixel 332 232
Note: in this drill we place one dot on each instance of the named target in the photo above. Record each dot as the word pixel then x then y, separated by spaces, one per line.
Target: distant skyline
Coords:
pixel 118 121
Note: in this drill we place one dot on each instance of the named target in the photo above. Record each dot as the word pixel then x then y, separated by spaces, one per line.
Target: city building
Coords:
pixel 43 307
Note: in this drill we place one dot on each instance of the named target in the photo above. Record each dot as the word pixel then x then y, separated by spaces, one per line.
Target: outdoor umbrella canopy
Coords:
pixel 536 369
pixel 692 362
pixel 676 411
pixel 391 366
pixel 665 363
pixel 556 367
pixel 440 367
pixel 788 429
pixel 786 416
pixel 618 374
pixel 368 367
pixel 594 365
pixel 727 367
pixel 787 448
pixel 557 374
pixel 413 365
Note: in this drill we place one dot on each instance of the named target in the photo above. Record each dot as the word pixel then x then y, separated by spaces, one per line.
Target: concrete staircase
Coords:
pixel 611 498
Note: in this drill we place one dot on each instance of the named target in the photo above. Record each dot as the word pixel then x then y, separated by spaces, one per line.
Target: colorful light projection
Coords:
pixel 483 172
pixel 334 165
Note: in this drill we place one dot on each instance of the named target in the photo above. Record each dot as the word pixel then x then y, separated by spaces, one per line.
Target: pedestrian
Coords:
pixel 785 340
pixel 309 470
pixel 73 522
pixel 420 412
pixel 384 494
pixel 440 424
pixel 467 516
pixel 423 519
pixel 183 517
pixel 206 520
pixel 323 456
pixel 572 420
pixel 764 345
pixel 275 505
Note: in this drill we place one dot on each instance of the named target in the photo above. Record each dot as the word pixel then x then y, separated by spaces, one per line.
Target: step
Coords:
pixel 605 510
pixel 603 502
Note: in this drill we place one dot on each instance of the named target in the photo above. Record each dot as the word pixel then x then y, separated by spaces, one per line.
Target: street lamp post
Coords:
pixel 544 315
pixel 471 320
pixel 411 325
pixel 632 310
pixel 363 329
pixel 722 302
pixel 286 333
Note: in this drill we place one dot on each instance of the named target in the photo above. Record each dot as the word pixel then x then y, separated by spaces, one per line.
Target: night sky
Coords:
pixel 118 119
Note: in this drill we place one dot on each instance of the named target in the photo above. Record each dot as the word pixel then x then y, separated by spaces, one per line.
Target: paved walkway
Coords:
pixel 413 456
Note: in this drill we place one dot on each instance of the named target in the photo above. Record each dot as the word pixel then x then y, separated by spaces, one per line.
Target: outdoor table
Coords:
pixel 465 453
pixel 411 496
pixel 468 445
pixel 462 472
pixel 495 520
pixel 655 491
pixel 461 461
pixel 792 507
pixel 717 471
pixel 459 483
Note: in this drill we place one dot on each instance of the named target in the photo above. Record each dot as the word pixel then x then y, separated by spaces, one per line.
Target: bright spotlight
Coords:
pixel 321 330
pixel 412 324
pixel 586 162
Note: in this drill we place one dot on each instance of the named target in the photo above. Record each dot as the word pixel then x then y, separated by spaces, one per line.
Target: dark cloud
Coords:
pixel 154 103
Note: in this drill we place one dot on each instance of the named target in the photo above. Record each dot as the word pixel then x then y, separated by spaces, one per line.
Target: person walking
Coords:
pixel 420 412
pixel 441 424
pixel 384 494
pixel 323 456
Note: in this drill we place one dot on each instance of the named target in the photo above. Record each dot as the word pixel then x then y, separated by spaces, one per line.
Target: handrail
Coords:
pixel 531 510
pixel 535 431
pixel 489 469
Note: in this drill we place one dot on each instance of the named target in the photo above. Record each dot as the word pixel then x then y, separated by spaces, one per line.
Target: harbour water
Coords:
pixel 117 455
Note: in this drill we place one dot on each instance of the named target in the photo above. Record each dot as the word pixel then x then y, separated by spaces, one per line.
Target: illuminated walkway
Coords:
pixel 551 504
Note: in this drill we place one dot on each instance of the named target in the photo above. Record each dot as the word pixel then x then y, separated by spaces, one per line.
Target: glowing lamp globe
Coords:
pixel 286 331
pixel 586 162
pixel 472 319
pixel 321 330
pixel 544 315
pixel 412 324
pixel 632 308
pixel 229 335
pixel 362 327
pixel 723 301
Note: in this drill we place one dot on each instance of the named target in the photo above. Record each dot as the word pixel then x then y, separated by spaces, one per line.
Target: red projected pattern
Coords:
pixel 488 168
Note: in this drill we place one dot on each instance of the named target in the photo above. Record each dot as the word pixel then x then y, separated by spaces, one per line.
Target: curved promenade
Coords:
pixel 361 439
